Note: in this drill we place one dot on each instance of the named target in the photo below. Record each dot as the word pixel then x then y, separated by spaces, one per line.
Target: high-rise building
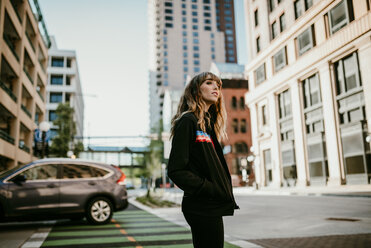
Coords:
pixel 309 91
pixel 64 86
pixel 185 37
pixel 23 61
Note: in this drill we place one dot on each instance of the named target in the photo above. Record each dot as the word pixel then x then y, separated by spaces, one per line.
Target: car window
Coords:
pixel 41 172
pixel 76 171
pixel 97 172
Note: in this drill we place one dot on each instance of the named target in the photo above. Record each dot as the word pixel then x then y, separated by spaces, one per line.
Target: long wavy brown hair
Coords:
pixel 191 102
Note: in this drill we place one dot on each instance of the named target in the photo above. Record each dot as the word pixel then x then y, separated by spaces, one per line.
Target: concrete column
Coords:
pixel 333 145
pixel 275 141
pixel 298 123
pixel 259 171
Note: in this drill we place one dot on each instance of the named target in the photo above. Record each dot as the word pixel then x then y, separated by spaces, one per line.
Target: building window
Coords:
pixel 340 15
pixel 168 25
pixel 207 28
pixel 195 41
pixel 241 147
pixel 168 18
pixel 256 17
pixel 194 6
pixel 282 22
pixel 184 12
pixel 196 48
pixel 167 4
pixel 235 125
pixel 271 5
pixel 194 13
pixel 305 40
pixel 52 115
pixel 298 6
pixel 194 20
pixel 194 27
pixel 234 102
pixel 264 115
pixel 208 21
pixel 301 6
pixel 258 44
pixel 274 29
pixel 311 91
pixel 56 79
pixel 196 62
pixel 260 74
pixel 196 69
pixel 57 62
pixel 207 14
pixel 56 97
pixel 284 104
pixel 242 102
pixel 279 59
pixel 347 74
pixel 168 11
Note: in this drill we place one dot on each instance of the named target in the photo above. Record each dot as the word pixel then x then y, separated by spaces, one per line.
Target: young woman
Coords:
pixel 196 163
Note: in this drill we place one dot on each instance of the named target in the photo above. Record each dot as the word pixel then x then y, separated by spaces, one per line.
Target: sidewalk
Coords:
pixel 342 190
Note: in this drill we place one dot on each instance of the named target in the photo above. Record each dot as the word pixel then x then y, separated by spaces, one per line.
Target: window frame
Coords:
pixel 279 67
pixel 256 72
pixel 310 45
pixel 343 23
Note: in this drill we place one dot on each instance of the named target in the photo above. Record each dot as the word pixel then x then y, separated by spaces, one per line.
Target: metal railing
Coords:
pixel 24 148
pixel 26 110
pixel 28 75
pixel 11 46
pixel 8 91
pixel 5 136
pixel 29 40
pixel 42 98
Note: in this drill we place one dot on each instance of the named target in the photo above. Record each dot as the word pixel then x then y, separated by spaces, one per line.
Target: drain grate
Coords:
pixel 342 219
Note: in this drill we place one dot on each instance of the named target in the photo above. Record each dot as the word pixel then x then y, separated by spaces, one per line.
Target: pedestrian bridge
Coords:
pixel 126 156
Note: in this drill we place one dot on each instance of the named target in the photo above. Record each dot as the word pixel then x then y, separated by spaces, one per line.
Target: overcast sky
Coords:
pixel 111 42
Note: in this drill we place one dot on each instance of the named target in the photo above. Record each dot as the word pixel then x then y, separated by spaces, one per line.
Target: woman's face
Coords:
pixel 210 91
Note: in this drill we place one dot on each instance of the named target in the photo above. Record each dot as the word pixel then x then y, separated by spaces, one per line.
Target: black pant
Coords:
pixel 207 231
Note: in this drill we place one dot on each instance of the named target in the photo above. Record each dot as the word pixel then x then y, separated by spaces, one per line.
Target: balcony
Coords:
pixel 29 40
pixel 28 75
pixel 17 6
pixel 42 98
pixel 24 147
pixel 8 91
pixel 5 136
pixel 11 46
pixel 24 108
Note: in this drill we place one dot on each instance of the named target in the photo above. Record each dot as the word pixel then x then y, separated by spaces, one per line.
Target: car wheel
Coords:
pixel 99 211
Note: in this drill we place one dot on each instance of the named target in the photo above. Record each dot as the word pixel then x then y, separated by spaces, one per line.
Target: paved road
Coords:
pixel 286 221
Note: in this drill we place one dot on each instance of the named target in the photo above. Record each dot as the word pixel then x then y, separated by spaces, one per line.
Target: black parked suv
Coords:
pixel 62 188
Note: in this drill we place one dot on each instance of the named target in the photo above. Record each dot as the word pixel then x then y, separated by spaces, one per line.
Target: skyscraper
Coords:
pixel 185 38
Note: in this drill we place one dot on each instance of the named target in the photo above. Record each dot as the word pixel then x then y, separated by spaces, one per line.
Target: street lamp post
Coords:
pixel 44 128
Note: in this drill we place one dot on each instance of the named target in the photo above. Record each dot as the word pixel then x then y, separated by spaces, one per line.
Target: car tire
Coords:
pixel 99 211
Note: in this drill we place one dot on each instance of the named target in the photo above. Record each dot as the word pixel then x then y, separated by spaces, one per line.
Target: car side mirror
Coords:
pixel 19 179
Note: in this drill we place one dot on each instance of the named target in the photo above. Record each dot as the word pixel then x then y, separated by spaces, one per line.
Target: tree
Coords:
pixel 153 159
pixel 64 140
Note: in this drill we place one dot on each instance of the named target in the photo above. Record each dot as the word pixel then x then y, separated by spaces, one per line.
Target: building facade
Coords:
pixel 64 86
pixel 23 61
pixel 309 94
pixel 236 147
pixel 185 37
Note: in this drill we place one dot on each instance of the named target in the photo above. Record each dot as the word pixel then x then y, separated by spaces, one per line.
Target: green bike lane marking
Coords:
pixel 130 228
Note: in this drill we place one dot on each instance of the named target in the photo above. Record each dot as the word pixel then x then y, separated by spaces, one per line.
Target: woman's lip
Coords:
pixel 215 94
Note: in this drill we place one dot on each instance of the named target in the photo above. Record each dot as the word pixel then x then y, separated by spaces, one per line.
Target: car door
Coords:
pixel 77 185
pixel 39 194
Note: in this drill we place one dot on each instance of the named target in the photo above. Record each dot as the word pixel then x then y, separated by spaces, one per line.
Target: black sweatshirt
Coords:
pixel 197 166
